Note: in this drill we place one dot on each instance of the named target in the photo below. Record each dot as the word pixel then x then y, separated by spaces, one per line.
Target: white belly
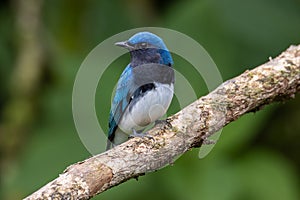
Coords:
pixel 153 105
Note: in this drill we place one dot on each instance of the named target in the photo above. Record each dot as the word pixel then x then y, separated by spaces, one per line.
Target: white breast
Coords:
pixel 153 105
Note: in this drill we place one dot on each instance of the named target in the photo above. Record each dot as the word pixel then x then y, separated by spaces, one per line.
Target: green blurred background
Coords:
pixel 42 44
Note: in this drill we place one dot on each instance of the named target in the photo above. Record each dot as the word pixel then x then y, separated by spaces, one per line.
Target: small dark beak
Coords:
pixel 124 44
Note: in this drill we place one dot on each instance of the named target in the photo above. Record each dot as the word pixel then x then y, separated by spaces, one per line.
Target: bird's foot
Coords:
pixel 140 135
pixel 160 121
pixel 163 123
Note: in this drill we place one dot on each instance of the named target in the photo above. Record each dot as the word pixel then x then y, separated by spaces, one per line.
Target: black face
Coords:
pixel 144 53
pixel 144 56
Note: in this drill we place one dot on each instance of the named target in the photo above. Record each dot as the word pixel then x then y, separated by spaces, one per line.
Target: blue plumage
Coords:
pixel 145 88
pixel 120 101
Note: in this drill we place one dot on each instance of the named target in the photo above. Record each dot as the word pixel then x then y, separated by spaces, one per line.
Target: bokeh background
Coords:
pixel 42 44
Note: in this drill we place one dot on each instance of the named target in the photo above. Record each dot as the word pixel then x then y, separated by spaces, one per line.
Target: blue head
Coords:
pixel 147 48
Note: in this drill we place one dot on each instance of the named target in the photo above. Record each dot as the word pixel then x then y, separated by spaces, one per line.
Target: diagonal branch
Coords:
pixel 276 80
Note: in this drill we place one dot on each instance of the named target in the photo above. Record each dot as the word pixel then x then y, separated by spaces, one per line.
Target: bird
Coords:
pixel 144 90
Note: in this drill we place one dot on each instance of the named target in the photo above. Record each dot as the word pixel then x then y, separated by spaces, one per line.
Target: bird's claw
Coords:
pixel 163 123
pixel 141 135
pixel 160 121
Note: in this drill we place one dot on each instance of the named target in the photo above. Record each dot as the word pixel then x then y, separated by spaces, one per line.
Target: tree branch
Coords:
pixel 276 80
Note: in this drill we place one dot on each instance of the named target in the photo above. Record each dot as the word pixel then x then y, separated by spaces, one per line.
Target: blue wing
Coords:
pixel 120 101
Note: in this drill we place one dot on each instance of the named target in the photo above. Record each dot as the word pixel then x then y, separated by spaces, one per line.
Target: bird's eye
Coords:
pixel 143 45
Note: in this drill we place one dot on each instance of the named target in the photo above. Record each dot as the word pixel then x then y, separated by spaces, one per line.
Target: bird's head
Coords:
pixel 147 47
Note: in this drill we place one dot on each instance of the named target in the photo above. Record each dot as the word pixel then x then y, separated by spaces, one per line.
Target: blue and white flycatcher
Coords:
pixel 145 89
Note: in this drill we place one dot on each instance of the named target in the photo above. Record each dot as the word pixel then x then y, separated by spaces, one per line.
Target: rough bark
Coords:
pixel 276 80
